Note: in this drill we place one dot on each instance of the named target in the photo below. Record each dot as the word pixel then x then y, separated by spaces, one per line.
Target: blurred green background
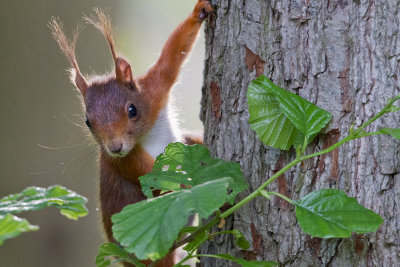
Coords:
pixel 39 141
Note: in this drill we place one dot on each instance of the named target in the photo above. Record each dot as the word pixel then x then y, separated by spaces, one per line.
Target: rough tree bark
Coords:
pixel 343 55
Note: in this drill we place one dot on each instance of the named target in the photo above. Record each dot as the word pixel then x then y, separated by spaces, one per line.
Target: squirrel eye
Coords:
pixel 132 111
pixel 87 122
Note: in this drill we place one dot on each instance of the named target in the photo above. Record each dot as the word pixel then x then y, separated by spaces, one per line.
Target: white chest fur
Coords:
pixel 164 131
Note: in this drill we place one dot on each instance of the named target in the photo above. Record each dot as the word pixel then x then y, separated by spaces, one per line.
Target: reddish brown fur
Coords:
pixel 163 74
pixel 192 139
pixel 107 101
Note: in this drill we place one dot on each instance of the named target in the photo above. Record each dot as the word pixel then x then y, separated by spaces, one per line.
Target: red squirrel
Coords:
pixel 127 116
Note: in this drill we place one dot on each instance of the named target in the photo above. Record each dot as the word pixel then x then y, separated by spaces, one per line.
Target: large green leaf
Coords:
pixel 70 203
pixel 330 213
pixel 282 119
pixel 268 120
pixel 112 250
pixel 182 166
pixel 149 228
pixel 12 226
pixel 242 262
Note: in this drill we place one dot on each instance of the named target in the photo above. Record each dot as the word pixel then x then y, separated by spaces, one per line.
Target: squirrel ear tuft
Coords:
pixel 101 21
pixel 124 72
pixel 68 48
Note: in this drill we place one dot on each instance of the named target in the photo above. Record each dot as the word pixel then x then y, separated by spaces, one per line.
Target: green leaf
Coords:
pixel 112 250
pixel 391 131
pixel 12 226
pixel 240 239
pixel 330 213
pixel 242 262
pixel 182 166
pixel 149 228
pixel 282 119
pixel 268 120
pixel 70 203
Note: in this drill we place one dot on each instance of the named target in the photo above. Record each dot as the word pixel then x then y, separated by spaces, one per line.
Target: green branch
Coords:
pixel 359 133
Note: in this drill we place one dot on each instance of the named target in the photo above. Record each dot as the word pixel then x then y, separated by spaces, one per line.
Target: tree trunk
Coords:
pixel 344 56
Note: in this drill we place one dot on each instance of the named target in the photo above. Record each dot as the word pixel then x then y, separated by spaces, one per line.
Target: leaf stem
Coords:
pixel 386 109
pixel 197 255
pixel 369 134
pixel 189 256
pixel 283 197
pixel 265 194
pixel 194 256
pixel 195 233
pixel 259 190
pixel 190 253
pixel 395 109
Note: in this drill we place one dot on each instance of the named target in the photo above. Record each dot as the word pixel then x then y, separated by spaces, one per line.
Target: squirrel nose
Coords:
pixel 115 147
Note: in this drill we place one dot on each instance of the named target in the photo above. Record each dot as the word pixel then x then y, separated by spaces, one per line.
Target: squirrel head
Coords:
pixel 115 114
pixel 115 108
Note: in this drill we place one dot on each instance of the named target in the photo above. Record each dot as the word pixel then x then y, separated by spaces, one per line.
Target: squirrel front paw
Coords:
pixel 203 9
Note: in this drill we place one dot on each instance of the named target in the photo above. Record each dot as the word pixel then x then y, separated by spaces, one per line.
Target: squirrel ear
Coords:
pixel 79 81
pixel 124 72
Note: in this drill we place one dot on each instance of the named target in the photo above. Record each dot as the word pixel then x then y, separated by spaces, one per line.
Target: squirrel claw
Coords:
pixel 203 9
pixel 203 14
